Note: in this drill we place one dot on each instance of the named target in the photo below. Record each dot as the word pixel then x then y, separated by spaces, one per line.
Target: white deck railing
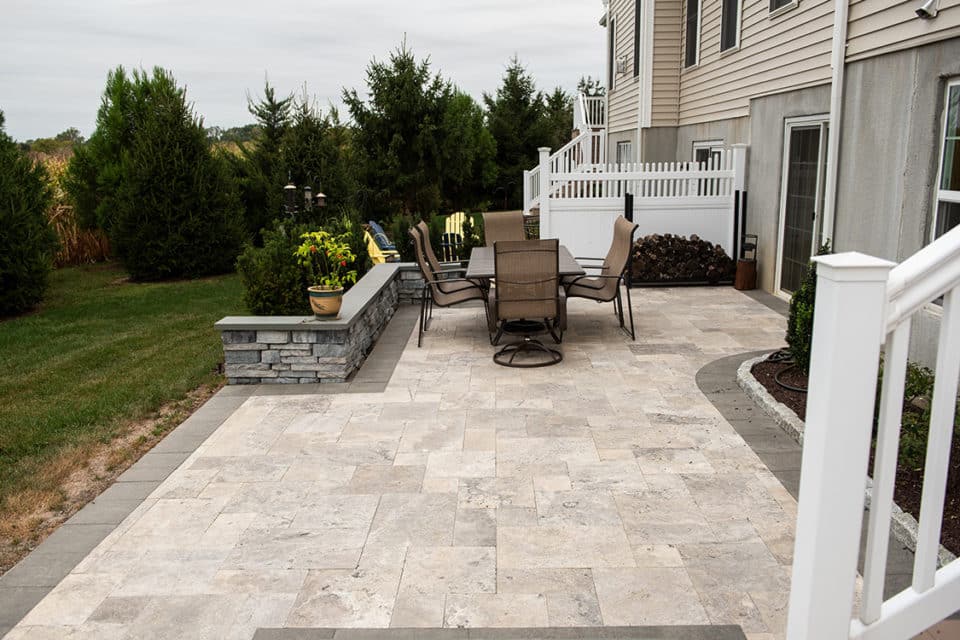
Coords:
pixel 863 302
pixel 589 112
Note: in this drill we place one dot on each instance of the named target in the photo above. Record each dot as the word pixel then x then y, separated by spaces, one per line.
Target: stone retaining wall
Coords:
pixel 302 349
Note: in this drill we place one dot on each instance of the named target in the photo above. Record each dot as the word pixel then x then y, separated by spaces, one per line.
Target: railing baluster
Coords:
pixel 942 410
pixel 884 471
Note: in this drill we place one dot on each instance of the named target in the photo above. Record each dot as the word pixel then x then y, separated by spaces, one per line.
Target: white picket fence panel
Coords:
pixel 863 303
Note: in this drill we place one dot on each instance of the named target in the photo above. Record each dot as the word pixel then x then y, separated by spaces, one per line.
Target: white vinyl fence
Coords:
pixel 862 304
pixel 680 198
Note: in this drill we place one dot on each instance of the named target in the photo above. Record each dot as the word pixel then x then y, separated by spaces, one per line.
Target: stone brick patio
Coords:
pixel 607 490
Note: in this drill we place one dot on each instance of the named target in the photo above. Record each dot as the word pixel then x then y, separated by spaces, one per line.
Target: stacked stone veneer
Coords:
pixel 299 350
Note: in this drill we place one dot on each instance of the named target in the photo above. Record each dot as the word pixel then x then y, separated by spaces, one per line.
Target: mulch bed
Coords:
pixel 909 483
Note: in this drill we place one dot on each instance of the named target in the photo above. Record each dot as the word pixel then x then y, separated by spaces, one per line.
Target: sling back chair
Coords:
pixel 526 301
pixel 503 225
pixel 438 288
pixel 613 271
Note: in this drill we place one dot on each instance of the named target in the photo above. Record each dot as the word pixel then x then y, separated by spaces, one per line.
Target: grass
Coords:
pixel 99 355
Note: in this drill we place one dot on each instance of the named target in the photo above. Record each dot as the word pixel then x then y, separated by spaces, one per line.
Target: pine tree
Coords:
pixel 27 243
pixel 178 214
pixel 515 117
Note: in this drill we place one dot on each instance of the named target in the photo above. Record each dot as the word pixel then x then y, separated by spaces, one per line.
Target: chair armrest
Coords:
pixel 586 258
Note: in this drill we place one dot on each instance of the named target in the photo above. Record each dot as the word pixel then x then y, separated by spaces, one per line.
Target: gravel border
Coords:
pixel 903 525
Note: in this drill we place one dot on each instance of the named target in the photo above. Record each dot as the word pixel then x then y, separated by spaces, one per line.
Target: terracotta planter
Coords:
pixel 325 301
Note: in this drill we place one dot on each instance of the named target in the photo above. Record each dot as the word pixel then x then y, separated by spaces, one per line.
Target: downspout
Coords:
pixel 837 63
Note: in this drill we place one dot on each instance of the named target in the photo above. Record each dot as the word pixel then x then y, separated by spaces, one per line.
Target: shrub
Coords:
pixel 27 243
pixel 275 285
pixel 800 321
pixel 78 245
pixel 177 209
pixel 327 259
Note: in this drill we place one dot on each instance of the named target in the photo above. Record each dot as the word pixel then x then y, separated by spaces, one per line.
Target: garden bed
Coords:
pixel 909 482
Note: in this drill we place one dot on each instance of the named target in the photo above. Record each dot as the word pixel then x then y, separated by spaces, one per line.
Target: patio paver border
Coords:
pixel 678 632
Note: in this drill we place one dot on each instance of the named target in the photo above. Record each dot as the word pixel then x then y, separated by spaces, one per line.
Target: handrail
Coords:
pixel 924 276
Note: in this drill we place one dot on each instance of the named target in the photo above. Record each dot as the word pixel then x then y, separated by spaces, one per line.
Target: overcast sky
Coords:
pixel 54 55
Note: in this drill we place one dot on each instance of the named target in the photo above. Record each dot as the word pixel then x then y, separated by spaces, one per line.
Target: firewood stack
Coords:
pixel 670 258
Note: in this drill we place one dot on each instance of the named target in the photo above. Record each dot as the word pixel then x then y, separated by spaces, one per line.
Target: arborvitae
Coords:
pixel 178 214
pixel 27 243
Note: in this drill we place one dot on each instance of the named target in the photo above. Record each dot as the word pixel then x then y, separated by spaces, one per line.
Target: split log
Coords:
pixel 672 258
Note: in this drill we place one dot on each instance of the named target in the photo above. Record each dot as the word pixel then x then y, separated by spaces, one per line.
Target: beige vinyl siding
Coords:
pixel 881 26
pixel 624 99
pixel 667 60
pixel 787 52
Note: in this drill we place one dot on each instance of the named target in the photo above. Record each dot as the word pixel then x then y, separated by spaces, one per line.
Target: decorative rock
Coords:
pixel 270 356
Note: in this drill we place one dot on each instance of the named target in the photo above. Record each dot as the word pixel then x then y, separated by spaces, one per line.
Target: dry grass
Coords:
pixel 77 474
pixel 77 246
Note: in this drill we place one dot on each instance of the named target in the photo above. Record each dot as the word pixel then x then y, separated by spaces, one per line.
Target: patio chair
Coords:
pixel 443 270
pixel 527 301
pixel 438 289
pixel 504 225
pixel 613 271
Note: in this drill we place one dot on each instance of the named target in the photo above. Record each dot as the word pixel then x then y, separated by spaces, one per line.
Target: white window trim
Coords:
pixel 736 44
pixel 621 144
pixel 943 195
pixel 784 9
pixel 711 145
pixel 696 59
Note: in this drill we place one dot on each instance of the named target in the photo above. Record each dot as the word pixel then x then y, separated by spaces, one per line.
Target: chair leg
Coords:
pixel 423 303
pixel 633 335
pixel 618 304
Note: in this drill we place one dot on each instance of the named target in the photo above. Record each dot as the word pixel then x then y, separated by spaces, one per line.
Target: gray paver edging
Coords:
pixel 903 525
pixel 674 632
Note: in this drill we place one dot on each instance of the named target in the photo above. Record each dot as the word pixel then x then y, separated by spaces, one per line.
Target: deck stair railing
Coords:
pixel 864 303
pixel 588 147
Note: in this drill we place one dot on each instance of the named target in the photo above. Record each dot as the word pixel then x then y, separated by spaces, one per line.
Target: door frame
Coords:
pixel 823 120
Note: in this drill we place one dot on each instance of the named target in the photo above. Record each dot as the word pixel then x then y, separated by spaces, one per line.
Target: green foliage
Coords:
pixel 93 179
pixel 516 120
pixel 800 321
pixel 399 134
pixel 397 229
pixel 469 169
pixel 274 284
pixel 27 243
pixel 176 208
pixel 327 259
pixel 558 118
pixel 591 87
pixel 472 233
pixel 317 150
pixel 915 419
pixel 258 168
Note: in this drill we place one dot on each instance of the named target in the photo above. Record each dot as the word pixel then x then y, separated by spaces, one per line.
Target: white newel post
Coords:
pixel 847 332
pixel 739 166
pixel 527 196
pixel 545 192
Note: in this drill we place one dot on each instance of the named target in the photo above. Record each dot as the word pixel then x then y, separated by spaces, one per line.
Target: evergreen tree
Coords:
pixel 469 155
pixel 558 114
pixel 589 86
pixel 27 243
pixel 317 151
pixel 515 116
pixel 258 168
pixel 93 176
pixel 399 134
pixel 177 210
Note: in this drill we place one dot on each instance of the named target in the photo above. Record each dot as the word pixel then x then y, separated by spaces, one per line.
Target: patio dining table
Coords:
pixel 481 265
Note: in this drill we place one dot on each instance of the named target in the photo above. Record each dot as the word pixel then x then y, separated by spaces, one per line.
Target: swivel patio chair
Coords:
pixel 527 301
pixel 438 287
pixel 613 272
pixel 504 225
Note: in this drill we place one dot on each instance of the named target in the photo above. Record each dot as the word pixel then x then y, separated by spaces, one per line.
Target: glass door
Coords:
pixel 801 202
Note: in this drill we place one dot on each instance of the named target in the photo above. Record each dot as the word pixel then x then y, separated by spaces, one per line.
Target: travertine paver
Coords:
pixel 605 490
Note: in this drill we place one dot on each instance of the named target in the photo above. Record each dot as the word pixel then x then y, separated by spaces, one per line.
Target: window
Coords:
pixel 780 4
pixel 730 25
pixel 611 50
pixel 624 152
pixel 692 33
pixel 636 39
pixel 705 151
pixel 948 183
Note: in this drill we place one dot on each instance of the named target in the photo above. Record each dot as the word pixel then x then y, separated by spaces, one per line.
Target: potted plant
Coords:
pixel 328 259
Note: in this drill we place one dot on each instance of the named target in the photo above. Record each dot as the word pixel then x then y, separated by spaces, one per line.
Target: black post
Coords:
pixel 736 225
pixel 743 219
pixel 628 206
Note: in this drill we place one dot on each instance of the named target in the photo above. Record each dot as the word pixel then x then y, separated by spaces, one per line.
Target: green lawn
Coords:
pixel 100 352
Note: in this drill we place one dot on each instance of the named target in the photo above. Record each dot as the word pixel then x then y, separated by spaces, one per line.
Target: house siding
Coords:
pixel 880 26
pixel 624 100
pixel 784 53
pixel 667 60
